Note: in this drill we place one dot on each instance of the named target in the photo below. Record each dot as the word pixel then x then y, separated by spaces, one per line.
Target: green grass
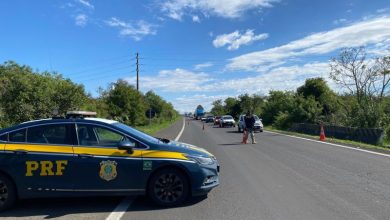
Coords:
pixel 156 127
pixel 384 147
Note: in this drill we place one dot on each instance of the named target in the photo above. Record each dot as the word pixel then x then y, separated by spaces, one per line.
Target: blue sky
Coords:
pixel 192 52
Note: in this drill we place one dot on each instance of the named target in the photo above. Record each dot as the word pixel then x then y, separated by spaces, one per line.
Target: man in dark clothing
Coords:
pixel 249 124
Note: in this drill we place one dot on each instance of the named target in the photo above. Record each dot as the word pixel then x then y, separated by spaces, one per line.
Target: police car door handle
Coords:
pixel 85 155
pixel 20 151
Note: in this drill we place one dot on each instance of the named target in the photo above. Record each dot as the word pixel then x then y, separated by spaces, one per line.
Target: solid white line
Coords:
pixel 181 131
pixel 121 209
pixel 337 145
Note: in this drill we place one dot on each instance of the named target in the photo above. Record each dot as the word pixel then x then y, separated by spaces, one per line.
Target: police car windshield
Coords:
pixel 136 132
pixel 227 117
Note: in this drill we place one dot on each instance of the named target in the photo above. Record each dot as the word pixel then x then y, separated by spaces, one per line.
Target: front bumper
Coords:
pixel 258 128
pixel 228 123
pixel 208 179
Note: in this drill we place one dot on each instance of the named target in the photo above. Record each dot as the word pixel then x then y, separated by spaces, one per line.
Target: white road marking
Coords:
pixel 181 131
pixel 121 209
pixel 337 145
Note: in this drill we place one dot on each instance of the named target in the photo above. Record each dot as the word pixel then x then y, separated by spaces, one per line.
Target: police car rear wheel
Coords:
pixel 168 187
pixel 7 193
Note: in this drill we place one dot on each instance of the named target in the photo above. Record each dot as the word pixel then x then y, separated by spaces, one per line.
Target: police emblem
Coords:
pixel 108 170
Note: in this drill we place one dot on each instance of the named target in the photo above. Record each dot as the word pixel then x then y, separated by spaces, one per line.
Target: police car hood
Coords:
pixel 188 149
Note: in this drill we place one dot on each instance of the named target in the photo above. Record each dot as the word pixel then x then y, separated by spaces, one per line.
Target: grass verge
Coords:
pixel 156 127
pixel 356 144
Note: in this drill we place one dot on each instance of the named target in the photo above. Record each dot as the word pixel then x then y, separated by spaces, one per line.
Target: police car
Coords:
pixel 85 156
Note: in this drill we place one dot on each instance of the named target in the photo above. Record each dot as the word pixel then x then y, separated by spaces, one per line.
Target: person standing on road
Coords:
pixel 249 125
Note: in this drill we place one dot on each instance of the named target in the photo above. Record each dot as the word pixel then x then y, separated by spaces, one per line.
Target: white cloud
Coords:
pixel 339 21
pixel 86 3
pixel 81 20
pixel 383 10
pixel 234 40
pixel 281 78
pixel 187 103
pixel 364 33
pixel 203 65
pixel 177 80
pixel 196 19
pixel 176 9
pixel 134 30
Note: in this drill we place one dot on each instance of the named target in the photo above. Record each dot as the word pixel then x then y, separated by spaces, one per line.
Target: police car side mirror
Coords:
pixel 126 145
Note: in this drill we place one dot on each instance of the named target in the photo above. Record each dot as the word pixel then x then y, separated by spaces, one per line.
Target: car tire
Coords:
pixel 168 187
pixel 261 130
pixel 7 193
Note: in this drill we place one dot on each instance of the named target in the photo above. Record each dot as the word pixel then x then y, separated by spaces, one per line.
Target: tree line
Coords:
pixel 363 101
pixel 27 95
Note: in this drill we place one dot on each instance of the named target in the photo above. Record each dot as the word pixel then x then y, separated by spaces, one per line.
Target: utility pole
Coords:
pixel 137 66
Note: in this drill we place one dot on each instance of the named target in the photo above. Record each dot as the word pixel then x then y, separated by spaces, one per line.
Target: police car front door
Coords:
pixel 101 166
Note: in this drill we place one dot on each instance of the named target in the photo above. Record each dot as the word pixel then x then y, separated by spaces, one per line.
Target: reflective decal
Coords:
pixel 46 167
pixel 108 170
pixel 147 165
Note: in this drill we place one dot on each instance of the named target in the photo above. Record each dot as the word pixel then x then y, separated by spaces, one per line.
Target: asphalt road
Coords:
pixel 280 177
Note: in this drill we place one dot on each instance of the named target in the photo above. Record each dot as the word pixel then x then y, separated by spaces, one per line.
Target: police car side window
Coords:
pixel 49 134
pixel 18 136
pixel 90 135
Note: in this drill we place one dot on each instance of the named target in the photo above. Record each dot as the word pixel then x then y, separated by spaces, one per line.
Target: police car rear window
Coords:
pixel 48 134
pixel 18 136
pixel 4 137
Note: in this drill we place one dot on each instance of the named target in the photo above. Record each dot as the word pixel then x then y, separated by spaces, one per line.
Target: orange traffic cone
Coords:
pixel 322 134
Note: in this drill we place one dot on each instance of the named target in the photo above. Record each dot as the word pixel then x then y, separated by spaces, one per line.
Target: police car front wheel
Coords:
pixel 7 193
pixel 168 187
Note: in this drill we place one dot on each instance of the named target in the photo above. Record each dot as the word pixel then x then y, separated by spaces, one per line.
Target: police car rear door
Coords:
pixel 40 157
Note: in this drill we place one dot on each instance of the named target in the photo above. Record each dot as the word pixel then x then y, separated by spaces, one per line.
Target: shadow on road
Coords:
pixel 143 203
pixel 49 208
pixel 59 207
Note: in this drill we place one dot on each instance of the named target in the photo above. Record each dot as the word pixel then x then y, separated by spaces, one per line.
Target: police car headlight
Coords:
pixel 201 160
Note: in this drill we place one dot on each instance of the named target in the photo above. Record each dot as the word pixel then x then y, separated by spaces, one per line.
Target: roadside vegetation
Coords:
pixel 363 101
pixel 28 95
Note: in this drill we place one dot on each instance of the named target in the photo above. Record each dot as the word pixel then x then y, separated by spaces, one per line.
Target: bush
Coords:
pixel 282 121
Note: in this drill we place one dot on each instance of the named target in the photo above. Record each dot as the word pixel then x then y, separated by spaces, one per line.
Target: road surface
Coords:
pixel 280 177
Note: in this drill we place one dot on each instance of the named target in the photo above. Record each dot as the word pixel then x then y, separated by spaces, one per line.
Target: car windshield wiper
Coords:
pixel 164 140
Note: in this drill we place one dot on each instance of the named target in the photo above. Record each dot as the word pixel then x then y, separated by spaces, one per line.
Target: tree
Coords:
pixel 320 91
pixel 28 95
pixel 218 108
pixel 277 101
pixel 368 80
pixel 125 103
pixel 232 106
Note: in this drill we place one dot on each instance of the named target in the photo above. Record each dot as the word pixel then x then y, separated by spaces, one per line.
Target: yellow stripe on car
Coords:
pixel 40 148
pixel 163 154
pixel 99 151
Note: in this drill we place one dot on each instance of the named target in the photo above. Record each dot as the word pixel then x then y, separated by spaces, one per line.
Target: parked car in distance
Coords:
pixel 227 120
pixel 209 119
pixel 216 120
pixel 241 124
